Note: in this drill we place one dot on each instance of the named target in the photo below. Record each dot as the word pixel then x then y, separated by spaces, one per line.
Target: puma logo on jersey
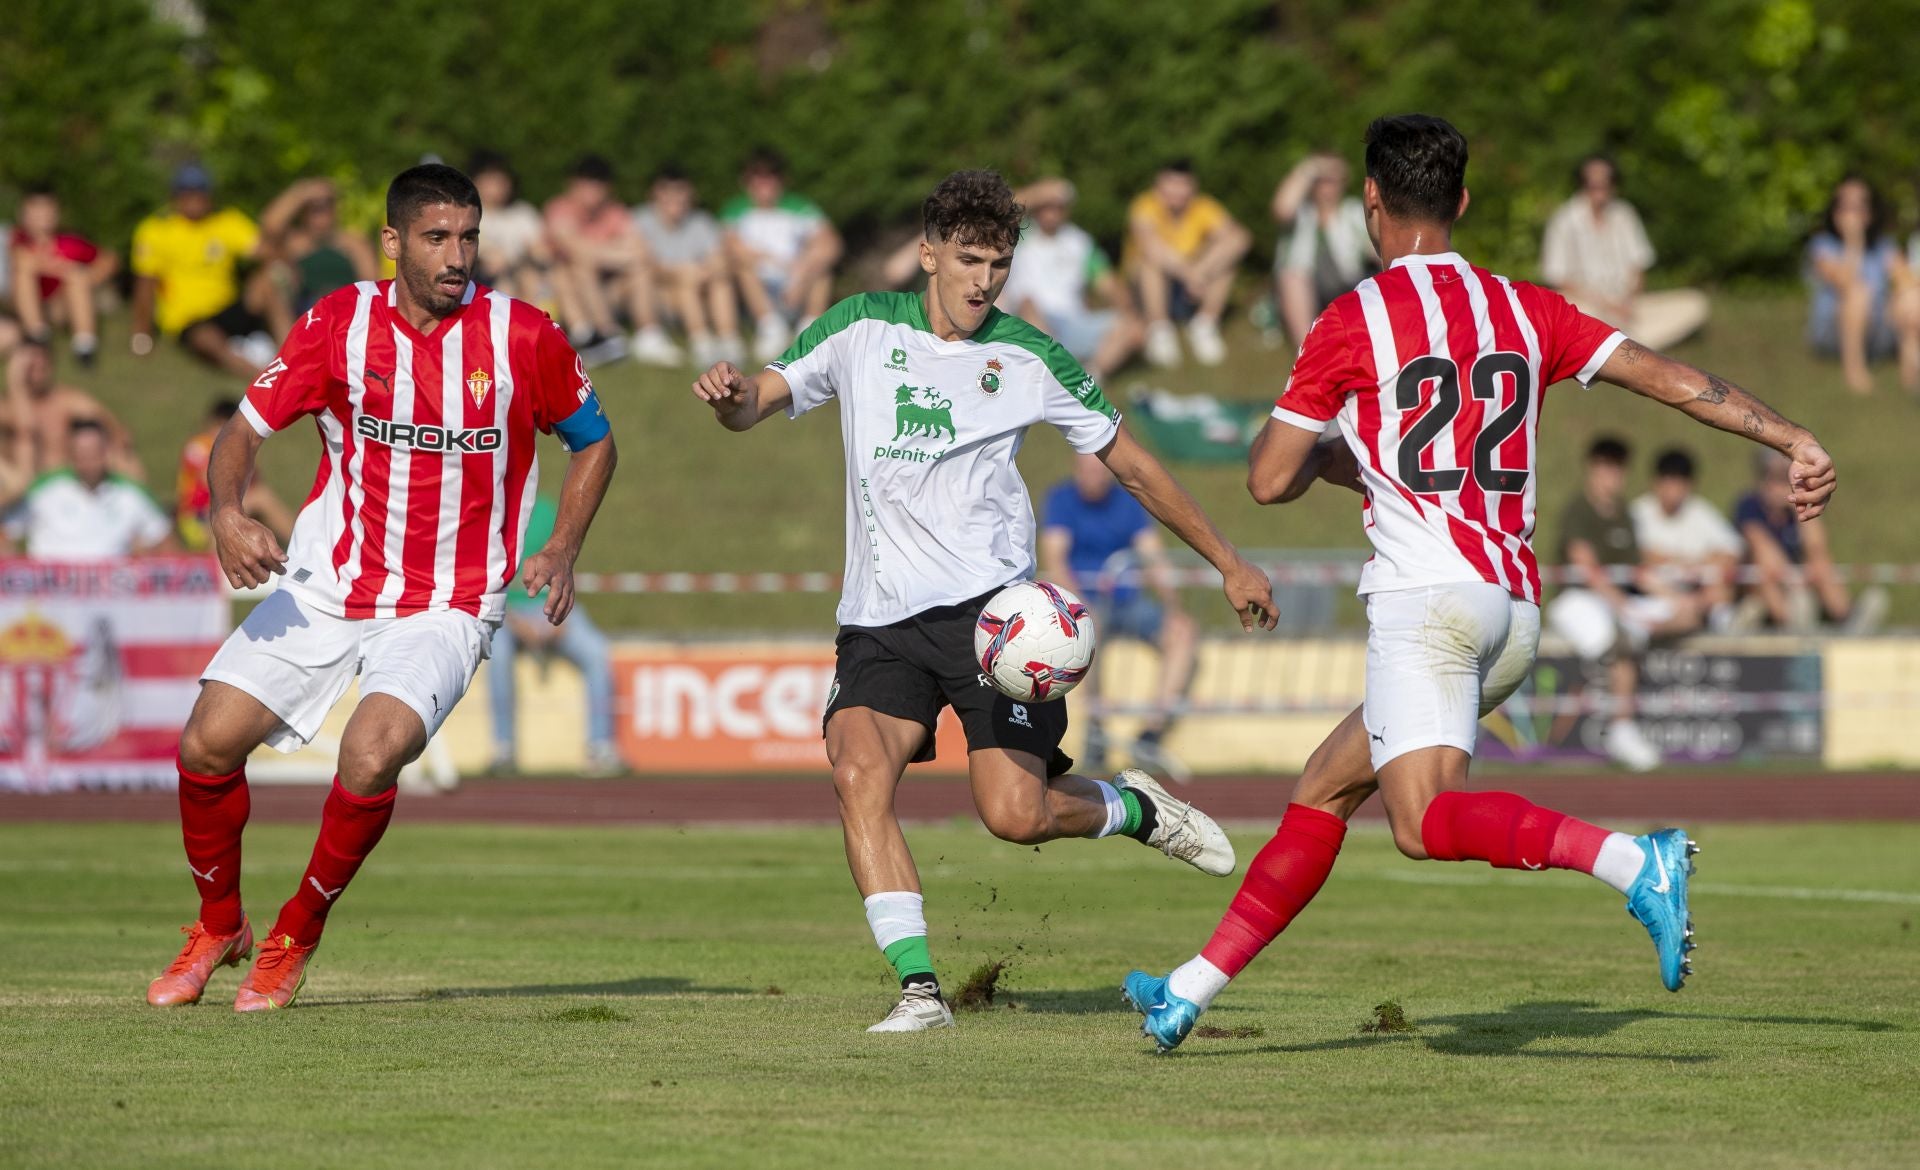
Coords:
pixel 428 438
pixel 323 891
pixel 382 379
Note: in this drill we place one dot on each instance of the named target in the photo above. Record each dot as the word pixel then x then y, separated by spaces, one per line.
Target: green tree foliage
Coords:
pixel 1731 118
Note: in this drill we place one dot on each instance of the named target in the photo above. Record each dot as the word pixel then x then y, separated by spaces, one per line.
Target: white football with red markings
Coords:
pixel 1034 641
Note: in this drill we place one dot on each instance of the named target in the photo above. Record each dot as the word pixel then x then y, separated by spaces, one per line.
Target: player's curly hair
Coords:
pixel 973 207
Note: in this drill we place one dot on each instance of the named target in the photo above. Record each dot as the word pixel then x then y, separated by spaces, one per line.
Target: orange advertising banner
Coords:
pixel 735 708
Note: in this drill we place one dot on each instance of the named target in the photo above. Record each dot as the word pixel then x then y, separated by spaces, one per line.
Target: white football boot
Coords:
pixel 1181 831
pixel 920 1008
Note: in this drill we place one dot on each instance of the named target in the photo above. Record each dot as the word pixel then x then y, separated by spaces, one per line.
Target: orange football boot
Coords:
pixel 279 972
pixel 186 977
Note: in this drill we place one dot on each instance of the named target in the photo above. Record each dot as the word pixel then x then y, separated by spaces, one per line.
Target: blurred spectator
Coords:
pixel 690 268
pixel 42 412
pixel 1182 248
pixel 16 457
pixel 313 253
pixel 84 512
pixel 1797 579
pixel 1597 253
pixel 56 274
pixel 1866 301
pixel 782 251
pixel 1684 539
pixel 1093 527
pixel 1607 619
pixel 578 640
pixel 1055 266
pixel 593 234
pixel 186 264
pixel 517 258
pixel 1326 251
pixel 193 499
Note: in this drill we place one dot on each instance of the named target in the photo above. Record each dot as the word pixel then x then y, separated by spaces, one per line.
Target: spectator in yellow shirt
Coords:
pixel 186 264
pixel 1182 248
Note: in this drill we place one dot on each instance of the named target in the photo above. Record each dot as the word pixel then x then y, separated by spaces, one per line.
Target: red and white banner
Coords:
pixel 715 707
pixel 99 666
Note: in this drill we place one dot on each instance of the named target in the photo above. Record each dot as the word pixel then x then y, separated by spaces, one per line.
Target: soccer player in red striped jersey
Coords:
pixel 426 391
pixel 1436 372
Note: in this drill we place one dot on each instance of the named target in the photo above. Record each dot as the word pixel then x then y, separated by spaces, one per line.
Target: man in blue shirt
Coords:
pixel 1094 530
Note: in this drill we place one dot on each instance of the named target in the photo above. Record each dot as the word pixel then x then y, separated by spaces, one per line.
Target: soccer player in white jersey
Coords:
pixel 1436 371
pixel 426 391
pixel 936 394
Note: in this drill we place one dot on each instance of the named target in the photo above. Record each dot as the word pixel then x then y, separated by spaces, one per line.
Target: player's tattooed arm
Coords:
pixel 1720 403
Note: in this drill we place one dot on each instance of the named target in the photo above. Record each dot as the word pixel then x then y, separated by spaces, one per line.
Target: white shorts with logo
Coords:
pixel 1439 658
pixel 298 661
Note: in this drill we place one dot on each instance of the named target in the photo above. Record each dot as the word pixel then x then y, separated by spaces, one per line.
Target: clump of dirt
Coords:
pixel 1237 1032
pixel 598 1013
pixel 1389 1019
pixel 976 994
pixel 774 989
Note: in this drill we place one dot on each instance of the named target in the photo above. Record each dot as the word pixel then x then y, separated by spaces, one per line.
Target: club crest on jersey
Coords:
pixel 477 385
pixel 989 379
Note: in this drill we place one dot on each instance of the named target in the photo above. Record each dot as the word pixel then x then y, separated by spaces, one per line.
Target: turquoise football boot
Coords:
pixel 1168 1017
pixel 1658 901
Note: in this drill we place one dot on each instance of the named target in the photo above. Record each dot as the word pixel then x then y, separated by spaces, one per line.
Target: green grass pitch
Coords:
pixel 623 997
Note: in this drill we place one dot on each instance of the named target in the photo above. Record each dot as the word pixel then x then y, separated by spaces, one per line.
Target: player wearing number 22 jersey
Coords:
pixel 427 392
pixel 1436 372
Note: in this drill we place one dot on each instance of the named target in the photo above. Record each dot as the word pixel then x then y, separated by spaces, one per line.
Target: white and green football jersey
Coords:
pixel 936 510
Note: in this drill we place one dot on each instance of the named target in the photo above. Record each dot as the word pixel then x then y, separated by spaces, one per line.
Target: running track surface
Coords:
pixel 1685 798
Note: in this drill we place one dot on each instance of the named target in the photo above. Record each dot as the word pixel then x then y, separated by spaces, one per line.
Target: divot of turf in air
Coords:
pixel 1388 1019
pixel 976 994
pixel 596 1013
pixel 1237 1032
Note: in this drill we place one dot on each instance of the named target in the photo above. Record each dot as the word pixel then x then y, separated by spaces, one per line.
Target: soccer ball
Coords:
pixel 1034 641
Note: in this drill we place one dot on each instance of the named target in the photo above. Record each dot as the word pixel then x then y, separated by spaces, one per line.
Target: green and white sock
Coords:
pixel 1127 814
pixel 899 924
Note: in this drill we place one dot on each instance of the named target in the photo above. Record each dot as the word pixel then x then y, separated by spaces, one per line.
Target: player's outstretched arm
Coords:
pixel 1247 588
pixel 589 472
pixel 1719 403
pixel 1285 460
pixel 249 552
pixel 739 402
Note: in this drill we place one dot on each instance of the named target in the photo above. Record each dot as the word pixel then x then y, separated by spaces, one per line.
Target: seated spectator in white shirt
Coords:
pixel 84 512
pixel 1597 253
pixel 781 250
pixel 1324 249
pixel 1055 267
pixel 1684 539
pixel 690 274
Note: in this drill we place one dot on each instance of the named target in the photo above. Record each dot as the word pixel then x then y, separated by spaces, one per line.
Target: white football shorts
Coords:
pixel 1439 658
pixel 298 661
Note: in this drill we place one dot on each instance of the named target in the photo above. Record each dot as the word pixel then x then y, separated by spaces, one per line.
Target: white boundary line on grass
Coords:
pixel 1425 877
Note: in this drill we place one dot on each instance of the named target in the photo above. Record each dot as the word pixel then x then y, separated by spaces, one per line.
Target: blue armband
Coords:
pixel 584 427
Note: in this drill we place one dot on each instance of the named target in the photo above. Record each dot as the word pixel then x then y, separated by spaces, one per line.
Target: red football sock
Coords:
pixel 350 826
pixel 213 811
pixel 1285 875
pixel 1508 832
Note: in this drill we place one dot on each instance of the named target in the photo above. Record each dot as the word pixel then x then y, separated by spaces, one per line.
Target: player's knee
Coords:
pixel 861 786
pixel 1408 840
pixel 205 754
pixel 1018 824
pixel 370 761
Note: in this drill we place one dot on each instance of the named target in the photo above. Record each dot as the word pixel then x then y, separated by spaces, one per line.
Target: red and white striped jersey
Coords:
pixel 1437 371
pixel 427 468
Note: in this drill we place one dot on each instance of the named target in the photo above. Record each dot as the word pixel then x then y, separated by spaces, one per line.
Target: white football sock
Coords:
pixel 1619 862
pixel 894 915
pixel 1116 809
pixel 1198 981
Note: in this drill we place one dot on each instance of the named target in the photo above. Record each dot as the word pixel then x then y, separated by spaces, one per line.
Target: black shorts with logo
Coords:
pixel 917 665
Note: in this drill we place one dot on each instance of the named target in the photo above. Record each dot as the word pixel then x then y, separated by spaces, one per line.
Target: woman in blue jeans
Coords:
pixel 577 640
